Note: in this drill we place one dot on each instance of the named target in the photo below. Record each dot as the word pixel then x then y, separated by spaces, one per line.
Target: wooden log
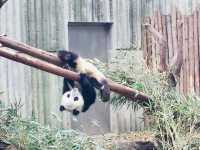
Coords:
pixel 191 52
pixel 196 53
pixel 162 44
pixel 199 43
pixel 35 52
pixel 160 52
pixel 180 47
pixel 154 43
pixel 144 43
pixel 185 54
pixel 149 47
pixel 164 48
pixel 42 65
pixel 169 39
pixel 177 61
pixel 174 37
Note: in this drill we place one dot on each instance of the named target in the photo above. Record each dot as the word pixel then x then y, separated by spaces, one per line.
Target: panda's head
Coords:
pixel 68 57
pixel 72 101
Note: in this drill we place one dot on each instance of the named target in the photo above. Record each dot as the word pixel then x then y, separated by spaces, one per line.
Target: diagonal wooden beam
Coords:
pixel 132 94
pixel 27 49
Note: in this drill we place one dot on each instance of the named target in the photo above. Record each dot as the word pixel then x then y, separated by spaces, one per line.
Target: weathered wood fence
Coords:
pixel 176 27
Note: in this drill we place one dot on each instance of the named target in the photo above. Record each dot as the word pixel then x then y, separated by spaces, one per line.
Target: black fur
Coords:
pixel 88 92
pixel 105 91
pixel 66 86
pixel 69 59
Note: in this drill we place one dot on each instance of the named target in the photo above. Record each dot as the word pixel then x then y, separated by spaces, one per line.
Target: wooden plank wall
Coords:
pixel 189 32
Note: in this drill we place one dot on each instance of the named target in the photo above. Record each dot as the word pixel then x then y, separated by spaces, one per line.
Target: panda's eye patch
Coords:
pixel 68 95
pixel 76 98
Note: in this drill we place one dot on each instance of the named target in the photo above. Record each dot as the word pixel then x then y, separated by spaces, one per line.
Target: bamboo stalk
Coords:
pixel 51 68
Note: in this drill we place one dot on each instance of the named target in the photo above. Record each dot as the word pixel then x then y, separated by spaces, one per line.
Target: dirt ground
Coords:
pixel 127 141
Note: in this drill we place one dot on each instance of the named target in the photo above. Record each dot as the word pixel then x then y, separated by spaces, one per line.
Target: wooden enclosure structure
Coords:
pixel 44 24
pixel 181 28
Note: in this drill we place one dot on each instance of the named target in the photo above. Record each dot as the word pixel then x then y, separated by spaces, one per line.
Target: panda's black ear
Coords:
pixel 64 55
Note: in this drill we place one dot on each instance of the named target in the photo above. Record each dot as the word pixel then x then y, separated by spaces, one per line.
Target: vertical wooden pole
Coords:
pixel 156 42
pixel 170 40
pixel 174 37
pixel 187 54
pixel 196 54
pixel 191 51
pixel 180 46
pixel 144 41
pixel 149 48
pixel 164 47
pixel 199 45
pixel 185 49
pixel 153 23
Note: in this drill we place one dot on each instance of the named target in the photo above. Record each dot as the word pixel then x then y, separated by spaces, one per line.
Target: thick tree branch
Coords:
pixel 2 2
pixel 51 68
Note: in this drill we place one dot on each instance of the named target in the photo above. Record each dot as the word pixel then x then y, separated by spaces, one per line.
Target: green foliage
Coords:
pixel 31 135
pixel 175 117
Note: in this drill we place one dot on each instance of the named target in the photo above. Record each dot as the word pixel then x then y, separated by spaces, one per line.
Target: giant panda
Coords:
pixel 80 65
pixel 77 98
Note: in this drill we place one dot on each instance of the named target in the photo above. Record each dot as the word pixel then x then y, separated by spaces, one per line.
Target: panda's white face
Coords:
pixel 72 101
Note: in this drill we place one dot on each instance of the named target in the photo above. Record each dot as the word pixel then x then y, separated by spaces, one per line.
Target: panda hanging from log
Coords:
pixel 79 96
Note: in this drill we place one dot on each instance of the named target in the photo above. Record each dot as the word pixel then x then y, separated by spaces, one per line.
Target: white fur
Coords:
pixel 69 103
pixel 85 67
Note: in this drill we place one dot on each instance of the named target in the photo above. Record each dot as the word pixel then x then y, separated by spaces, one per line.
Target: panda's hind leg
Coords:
pixel 88 91
pixel 103 87
pixel 66 85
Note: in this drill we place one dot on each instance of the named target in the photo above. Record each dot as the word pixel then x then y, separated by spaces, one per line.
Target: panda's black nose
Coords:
pixel 62 108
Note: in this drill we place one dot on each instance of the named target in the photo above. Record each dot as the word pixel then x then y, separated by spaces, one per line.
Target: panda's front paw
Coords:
pixel 75 112
pixel 105 92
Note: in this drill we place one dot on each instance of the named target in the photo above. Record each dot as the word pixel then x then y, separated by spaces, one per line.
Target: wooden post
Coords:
pixel 196 53
pixel 163 46
pixel 191 52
